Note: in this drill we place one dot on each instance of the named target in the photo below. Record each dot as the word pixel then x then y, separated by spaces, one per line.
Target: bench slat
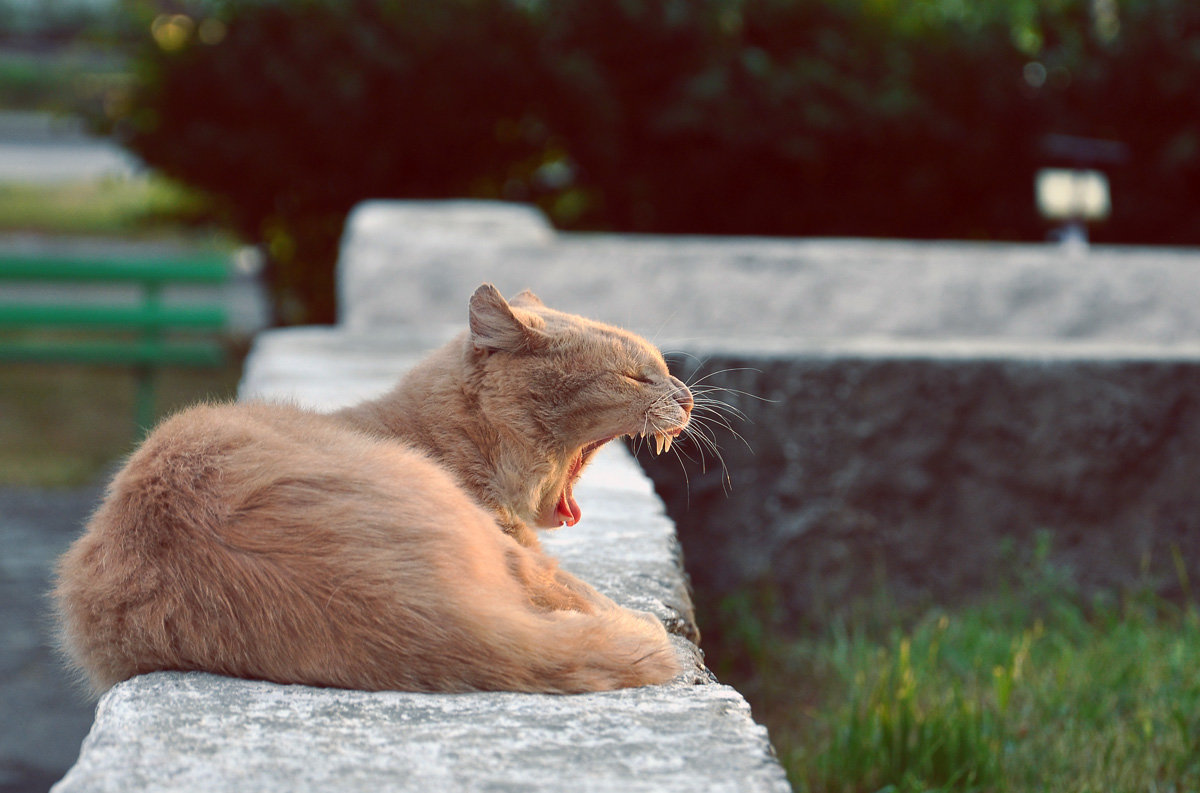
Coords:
pixel 205 269
pixel 141 317
pixel 116 353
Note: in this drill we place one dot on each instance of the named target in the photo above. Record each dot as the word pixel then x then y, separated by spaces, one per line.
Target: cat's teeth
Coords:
pixel 659 439
pixel 667 442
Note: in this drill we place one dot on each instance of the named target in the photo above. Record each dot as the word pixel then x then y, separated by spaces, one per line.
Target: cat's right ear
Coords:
pixel 495 327
pixel 526 299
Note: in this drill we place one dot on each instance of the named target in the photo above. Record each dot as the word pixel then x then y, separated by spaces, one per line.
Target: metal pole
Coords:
pixel 144 407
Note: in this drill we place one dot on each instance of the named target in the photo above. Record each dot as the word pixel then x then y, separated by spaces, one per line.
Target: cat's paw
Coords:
pixel 646 616
pixel 649 650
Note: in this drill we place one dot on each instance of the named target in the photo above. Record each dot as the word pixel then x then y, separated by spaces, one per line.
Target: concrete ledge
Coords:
pixel 691 288
pixel 196 732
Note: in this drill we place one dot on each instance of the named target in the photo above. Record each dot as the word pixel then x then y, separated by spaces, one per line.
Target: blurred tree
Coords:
pixel 917 118
pixel 292 111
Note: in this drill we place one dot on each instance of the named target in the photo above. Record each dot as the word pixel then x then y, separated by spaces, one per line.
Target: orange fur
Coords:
pixel 386 546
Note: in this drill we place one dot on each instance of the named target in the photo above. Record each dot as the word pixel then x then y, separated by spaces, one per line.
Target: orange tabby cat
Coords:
pixel 386 546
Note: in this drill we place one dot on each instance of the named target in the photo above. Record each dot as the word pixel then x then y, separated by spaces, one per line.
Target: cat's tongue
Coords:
pixel 568 507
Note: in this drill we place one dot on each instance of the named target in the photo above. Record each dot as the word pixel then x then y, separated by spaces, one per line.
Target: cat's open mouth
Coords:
pixel 568 510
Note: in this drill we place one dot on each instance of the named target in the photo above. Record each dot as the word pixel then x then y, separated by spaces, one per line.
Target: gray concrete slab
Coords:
pixel 205 733
pixel 681 290
pixel 935 470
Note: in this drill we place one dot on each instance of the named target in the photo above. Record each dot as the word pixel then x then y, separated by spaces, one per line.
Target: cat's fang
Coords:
pixel 667 441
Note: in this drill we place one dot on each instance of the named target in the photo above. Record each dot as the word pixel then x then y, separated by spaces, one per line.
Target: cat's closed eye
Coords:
pixel 637 378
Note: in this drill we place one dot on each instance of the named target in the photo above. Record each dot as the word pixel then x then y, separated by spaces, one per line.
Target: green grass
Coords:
pixel 127 208
pixel 1027 690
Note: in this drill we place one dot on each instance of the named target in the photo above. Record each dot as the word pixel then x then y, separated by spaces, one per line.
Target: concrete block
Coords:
pixel 688 289
pixel 383 236
pixel 196 733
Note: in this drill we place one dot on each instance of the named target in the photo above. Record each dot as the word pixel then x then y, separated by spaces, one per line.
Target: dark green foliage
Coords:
pixel 303 108
pixel 718 116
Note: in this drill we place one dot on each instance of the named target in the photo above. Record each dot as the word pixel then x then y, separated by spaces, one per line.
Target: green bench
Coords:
pixel 146 334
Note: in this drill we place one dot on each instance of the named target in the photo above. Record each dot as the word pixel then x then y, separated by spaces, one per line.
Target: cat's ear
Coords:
pixel 494 326
pixel 526 298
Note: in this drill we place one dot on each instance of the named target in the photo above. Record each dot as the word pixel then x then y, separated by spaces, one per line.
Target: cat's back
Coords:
pixel 222 468
pixel 205 460
pixel 231 519
pixel 215 433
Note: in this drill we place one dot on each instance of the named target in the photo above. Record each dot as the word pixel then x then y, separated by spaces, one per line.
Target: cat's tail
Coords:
pixel 571 652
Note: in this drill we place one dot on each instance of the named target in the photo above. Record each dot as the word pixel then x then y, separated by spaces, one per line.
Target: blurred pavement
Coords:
pixel 47 714
pixel 36 148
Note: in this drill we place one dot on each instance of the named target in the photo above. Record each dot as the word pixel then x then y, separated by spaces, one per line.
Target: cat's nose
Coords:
pixel 683 396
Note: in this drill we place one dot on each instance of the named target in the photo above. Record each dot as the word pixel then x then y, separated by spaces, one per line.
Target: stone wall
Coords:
pixel 931 472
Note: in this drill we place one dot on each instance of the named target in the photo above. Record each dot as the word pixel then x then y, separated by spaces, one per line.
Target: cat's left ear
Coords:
pixel 494 326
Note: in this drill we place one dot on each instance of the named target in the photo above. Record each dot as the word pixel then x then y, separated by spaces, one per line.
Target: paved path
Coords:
pixel 36 148
pixel 51 162
pixel 46 716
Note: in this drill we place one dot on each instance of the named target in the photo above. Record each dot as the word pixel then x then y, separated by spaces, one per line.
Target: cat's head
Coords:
pixel 561 386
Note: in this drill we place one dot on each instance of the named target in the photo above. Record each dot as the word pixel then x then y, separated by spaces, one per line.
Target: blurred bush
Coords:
pixel 289 113
pixel 798 117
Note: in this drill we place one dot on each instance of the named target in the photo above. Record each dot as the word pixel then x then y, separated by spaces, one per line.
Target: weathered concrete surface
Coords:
pixel 411 262
pixel 194 732
pixel 931 468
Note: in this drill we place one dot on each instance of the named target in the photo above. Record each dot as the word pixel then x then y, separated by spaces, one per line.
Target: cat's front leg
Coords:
pixel 550 588
pixel 585 590
pixel 582 589
pixel 517 529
